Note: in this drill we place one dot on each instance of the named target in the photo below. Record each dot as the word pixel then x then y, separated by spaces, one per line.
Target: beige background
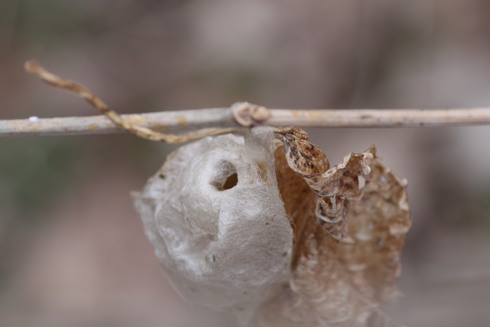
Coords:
pixel 72 250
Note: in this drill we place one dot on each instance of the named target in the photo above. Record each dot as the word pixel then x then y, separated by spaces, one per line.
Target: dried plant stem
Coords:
pixel 34 67
pixel 380 117
pixel 223 117
pixel 223 120
pixel 197 119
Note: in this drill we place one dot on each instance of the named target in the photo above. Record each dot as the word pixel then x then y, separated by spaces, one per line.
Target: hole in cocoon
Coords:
pixel 226 177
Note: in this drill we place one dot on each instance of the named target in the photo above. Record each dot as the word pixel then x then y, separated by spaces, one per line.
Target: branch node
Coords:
pixel 248 114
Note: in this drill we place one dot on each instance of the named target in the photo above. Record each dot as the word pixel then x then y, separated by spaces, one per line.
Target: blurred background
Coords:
pixel 72 249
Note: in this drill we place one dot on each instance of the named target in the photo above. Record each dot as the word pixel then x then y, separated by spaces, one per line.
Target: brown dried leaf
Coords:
pixel 342 283
pixel 333 186
pixel 302 156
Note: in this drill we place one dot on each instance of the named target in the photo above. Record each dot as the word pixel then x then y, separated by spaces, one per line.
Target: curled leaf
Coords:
pixel 342 283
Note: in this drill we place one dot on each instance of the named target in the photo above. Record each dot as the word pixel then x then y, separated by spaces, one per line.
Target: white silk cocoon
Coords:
pixel 224 243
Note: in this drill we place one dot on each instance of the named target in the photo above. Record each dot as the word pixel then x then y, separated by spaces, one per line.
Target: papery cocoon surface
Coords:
pixel 216 219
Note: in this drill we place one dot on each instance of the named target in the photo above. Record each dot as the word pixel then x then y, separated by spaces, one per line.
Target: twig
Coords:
pixel 223 117
pixel 223 120
pixel 195 119
pixel 380 117
pixel 35 68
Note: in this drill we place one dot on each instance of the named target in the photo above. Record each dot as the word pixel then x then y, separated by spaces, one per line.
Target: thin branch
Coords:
pixel 223 117
pixel 36 68
pixel 195 119
pixel 380 117
pixel 203 122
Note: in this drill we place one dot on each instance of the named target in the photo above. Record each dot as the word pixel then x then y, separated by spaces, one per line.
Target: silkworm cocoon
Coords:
pixel 215 217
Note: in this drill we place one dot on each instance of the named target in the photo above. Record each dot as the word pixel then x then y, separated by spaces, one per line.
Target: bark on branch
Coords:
pixel 203 122
pixel 223 117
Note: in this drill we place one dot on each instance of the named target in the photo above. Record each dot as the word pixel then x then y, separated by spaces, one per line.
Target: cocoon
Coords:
pixel 215 217
pixel 278 238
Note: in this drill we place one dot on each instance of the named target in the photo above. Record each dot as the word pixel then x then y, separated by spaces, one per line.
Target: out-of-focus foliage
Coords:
pixel 34 173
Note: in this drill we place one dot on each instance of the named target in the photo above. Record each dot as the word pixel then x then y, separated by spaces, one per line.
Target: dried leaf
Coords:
pixel 340 283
